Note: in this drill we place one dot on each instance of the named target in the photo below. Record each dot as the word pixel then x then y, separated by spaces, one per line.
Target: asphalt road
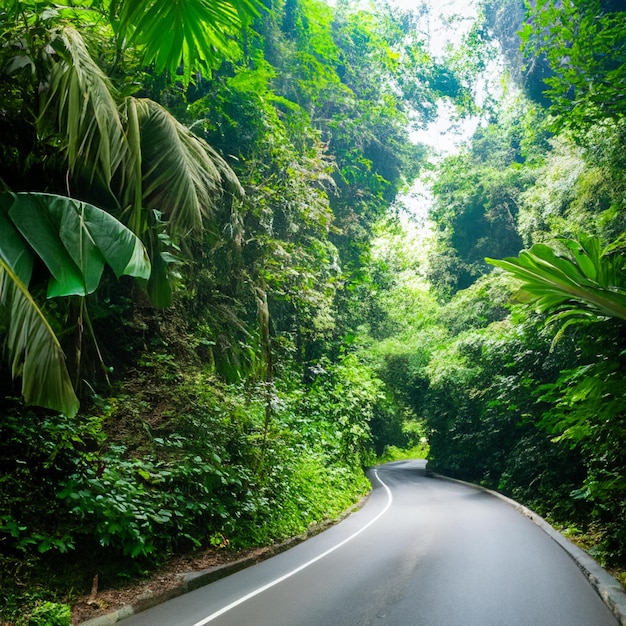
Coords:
pixel 422 552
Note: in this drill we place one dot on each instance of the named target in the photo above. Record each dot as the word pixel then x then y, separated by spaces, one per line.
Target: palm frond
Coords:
pixel 80 105
pixel 131 177
pixel 34 350
pixel 183 177
pixel 194 33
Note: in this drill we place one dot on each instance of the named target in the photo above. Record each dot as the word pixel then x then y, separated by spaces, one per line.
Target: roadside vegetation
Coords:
pixel 213 318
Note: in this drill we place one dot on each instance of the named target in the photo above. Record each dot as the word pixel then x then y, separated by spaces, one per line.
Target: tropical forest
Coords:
pixel 239 265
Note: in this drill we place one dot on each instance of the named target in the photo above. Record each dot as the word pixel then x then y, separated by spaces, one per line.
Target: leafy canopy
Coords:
pixel 584 42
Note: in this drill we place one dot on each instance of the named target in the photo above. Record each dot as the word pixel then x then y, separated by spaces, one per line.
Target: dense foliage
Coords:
pixel 212 319
pixel 187 220
pixel 520 380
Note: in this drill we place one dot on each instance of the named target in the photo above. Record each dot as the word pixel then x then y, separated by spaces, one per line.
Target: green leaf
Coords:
pixel 525 32
pixel 35 224
pixel 194 33
pixel 34 350
pixel 590 277
pixel 13 249
pixel 75 240
pixel 159 286
pixel 143 473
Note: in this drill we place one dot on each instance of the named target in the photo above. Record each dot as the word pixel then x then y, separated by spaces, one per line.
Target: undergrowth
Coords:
pixel 174 460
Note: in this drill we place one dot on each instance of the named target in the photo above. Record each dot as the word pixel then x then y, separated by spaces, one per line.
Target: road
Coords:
pixel 421 552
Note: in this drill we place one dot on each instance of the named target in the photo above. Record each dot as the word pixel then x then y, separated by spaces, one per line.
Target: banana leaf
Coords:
pixel 33 349
pixel 75 240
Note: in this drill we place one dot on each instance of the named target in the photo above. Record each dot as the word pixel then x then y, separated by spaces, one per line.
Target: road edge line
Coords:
pixel 197 579
pixel 302 567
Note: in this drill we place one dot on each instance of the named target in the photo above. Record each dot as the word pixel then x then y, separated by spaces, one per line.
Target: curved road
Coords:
pixel 421 552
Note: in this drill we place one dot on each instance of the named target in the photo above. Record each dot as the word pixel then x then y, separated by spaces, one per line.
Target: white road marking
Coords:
pixel 269 585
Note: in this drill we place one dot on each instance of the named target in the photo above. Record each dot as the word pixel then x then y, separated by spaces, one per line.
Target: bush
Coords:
pixel 50 614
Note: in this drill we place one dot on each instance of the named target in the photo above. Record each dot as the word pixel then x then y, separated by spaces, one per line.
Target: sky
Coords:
pixel 449 21
pixel 444 135
pixel 441 11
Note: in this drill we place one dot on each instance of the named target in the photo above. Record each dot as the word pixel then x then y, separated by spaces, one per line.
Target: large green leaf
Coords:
pixel 13 249
pixel 33 349
pixel 75 240
pixel 37 229
pixel 590 278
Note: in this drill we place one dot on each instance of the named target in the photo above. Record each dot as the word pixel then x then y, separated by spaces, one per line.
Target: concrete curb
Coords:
pixel 609 589
pixel 194 580
pixel 188 582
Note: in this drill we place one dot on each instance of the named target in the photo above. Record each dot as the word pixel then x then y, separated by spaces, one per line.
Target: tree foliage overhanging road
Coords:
pixel 264 325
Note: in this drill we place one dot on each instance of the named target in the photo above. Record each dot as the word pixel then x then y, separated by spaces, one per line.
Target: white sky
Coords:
pixel 450 20
pixel 441 12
